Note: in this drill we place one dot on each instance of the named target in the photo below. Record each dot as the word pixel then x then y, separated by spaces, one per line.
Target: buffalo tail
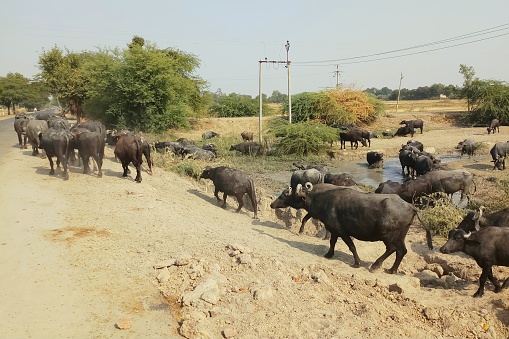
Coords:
pixel 428 232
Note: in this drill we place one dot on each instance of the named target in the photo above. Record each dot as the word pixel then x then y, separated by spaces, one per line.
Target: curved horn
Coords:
pixel 467 235
pixel 309 186
pixel 289 190
pixel 298 189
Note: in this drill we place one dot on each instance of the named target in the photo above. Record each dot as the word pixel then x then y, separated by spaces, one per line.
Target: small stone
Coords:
pixel 230 332
pixel 395 288
pixel 164 275
pixel 245 259
pixel 124 324
pixel 263 293
pixel 431 313
pixel 182 262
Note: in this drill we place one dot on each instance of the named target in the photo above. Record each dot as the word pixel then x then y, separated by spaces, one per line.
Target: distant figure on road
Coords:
pixel 35 109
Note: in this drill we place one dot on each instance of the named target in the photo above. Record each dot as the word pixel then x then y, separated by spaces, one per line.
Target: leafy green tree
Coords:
pixel 278 98
pixel 236 105
pixel 468 90
pixel 63 74
pixel 489 99
pixel 143 88
pixel 15 89
pixel 37 96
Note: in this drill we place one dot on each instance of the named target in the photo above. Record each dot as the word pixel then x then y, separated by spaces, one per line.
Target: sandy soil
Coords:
pixel 108 258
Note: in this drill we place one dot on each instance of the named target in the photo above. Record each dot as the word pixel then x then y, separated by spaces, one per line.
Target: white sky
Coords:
pixel 230 37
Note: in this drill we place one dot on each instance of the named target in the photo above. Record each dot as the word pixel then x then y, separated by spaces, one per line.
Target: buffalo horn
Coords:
pixel 309 186
pixel 467 235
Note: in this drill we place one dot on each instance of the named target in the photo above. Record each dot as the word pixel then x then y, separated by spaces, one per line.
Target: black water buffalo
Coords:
pixel 374 157
pixel 113 136
pixel 231 182
pixel 94 126
pixel 56 142
pixel 422 164
pixel 20 127
pixel 248 147
pixel 89 144
pixel 414 143
pixel 247 135
pixel 498 153
pixel 195 152
pixel 413 124
pixel 129 148
pixel 48 115
pixel 59 123
pixel 210 147
pixel 303 166
pixel 281 202
pixel 473 221
pixel 354 136
pixel 468 146
pixel 35 129
pixel 173 146
pixel 404 131
pixel 451 181
pixel 209 135
pixel 487 246
pixel 311 175
pixel 410 191
pixel 494 126
pixel 342 179
pixel 348 213
pixel 367 135
pixel 407 160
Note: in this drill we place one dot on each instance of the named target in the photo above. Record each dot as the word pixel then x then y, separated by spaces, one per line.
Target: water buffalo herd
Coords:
pixel 345 210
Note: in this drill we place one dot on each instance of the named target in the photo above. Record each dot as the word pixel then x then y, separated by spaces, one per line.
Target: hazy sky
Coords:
pixel 372 42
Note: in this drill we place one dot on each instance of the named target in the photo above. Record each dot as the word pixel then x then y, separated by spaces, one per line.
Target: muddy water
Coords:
pixel 360 172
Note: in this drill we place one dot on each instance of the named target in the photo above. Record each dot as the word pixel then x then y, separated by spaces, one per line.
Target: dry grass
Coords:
pixel 444 105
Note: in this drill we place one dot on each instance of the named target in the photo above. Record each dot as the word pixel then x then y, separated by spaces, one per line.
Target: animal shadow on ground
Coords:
pixel 318 250
pixel 501 313
pixel 212 199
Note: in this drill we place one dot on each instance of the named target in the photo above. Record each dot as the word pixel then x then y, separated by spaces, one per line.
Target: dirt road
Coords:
pixel 80 257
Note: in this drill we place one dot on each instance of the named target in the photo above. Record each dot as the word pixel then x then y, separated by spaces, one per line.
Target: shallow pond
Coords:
pixel 360 172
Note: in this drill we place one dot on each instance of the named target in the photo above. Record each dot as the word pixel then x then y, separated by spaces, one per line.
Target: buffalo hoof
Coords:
pixel 329 255
pixel 52 172
pixel 355 265
pixel 478 294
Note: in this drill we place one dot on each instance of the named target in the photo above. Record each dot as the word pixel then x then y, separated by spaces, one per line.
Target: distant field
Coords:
pixel 447 105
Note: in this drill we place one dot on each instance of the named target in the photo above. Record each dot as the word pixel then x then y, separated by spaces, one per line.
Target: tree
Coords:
pixel 15 89
pixel 143 88
pixel 489 99
pixel 235 105
pixel 468 79
pixel 38 95
pixel 278 98
pixel 64 76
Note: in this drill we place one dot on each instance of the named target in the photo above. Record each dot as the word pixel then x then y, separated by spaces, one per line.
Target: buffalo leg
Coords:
pixel 25 141
pixel 99 162
pixel 304 220
pixel 138 173
pixel 482 280
pixel 64 165
pixel 241 202
pixel 389 249
pixel 349 242
pixel 125 166
pixel 494 281
pixel 333 240
pixel 224 200
pixel 52 170
pixel 216 194
pixel 400 253
pixel 20 141
pixel 84 159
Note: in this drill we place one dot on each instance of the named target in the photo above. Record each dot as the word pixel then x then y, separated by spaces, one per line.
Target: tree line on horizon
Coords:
pixel 145 88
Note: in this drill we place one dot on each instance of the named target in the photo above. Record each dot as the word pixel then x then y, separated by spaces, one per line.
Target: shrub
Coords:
pixel 336 107
pixel 302 138
pixel 188 168
pixel 443 217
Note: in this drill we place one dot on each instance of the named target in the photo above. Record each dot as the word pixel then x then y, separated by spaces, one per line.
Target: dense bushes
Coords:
pixel 236 105
pixel 335 107
pixel 302 138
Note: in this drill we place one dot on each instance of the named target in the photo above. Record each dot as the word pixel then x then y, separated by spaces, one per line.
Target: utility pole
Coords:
pixel 337 77
pixel 287 46
pixel 399 92
pixel 287 62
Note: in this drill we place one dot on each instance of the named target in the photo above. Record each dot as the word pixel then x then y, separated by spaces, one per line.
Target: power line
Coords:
pixel 460 37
